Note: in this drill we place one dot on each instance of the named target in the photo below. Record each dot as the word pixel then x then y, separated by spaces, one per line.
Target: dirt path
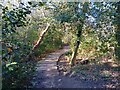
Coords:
pixel 47 75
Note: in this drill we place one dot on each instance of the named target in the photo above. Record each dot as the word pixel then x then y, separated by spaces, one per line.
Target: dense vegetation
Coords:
pixel 90 29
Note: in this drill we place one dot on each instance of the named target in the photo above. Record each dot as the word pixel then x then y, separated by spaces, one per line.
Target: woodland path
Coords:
pixel 47 76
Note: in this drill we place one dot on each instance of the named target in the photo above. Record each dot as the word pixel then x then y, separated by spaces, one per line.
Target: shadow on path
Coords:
pixel 47 76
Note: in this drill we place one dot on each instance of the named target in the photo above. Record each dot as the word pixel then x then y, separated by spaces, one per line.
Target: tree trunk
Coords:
pixel 73 60
pixel 39 40
pixel 117 49
pixel 41 37
pixel 80 24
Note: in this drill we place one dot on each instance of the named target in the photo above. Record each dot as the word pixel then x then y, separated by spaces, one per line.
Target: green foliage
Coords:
pixel 13 18
pixel 117 20
pixel 98 36
pixel 36 4
pixel 19 36
pixel 68 53
pixel 93 46
pixel 15 47
pixel 52 40
pixel 21 29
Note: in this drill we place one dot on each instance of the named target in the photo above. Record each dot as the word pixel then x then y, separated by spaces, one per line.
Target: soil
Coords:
pixel 47 75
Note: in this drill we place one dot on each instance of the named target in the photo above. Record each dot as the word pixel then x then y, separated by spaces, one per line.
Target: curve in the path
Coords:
pixel 47 75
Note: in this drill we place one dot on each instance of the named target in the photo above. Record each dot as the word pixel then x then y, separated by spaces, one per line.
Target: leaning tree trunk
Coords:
pixel 41 37
pixel 73 61
pixel 74 54
pixel 79 32
pixel 117 49
pixel 39 40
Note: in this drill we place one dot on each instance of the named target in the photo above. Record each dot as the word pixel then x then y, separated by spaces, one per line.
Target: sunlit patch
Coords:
pixel 110 60
pixel 106 73
pixel 48 69
pixel 43 58
pixel 59 80
pixel 115 74
pixel 114 65
pixel 50 60
pixel 110 86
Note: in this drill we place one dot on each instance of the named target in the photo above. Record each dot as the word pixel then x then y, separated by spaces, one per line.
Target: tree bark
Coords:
pixel 117 49
pixel 80 24
pixel 74 54
pixel 41 37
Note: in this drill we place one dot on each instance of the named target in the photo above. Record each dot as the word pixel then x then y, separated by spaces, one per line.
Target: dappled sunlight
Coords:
pixel 109 86
pixel 116 74
pixel 114 65
pixel 60 44
pixel 51 60
pixel 106 73
pixel 48 67
pixel 103 74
